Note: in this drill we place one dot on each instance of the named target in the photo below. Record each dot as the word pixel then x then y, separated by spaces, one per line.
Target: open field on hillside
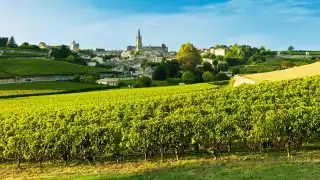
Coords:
pixel 271 65
pixel 34 88
pixel 302 165
pixel 28 67
pixel 291 73
pixel 3 74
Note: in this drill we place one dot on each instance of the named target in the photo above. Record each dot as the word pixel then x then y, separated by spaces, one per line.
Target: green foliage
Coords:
pixel 26 45
pixel 173 68
pixel 207 76
pixel 76 78
pixel 161 72
pixel 207 66
pixel 149 121
pixel 90 78
pixel 221 76
pixel 189 55
pixel 256 59
pixel 223 66
pixel 25 67
pixel 235 71
pixel 145 81
pixel 61 52
pixel 174 81
pixel 40 88
pixel 188 77
pixel 12 43
pixel 290 48
pixel 3 41
pixel 70 58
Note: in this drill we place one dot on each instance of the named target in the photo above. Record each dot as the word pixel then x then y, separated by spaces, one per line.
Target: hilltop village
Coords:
pixel 218 63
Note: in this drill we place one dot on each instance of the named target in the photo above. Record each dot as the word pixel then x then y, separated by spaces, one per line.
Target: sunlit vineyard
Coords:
pixel 161 122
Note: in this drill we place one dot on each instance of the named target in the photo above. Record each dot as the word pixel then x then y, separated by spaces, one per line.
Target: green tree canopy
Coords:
pixel 188 77
pixel 189 54
pixel 3 41
pixel 145 81
pixel 161 72
pixel 173 67
pixel 207 66
pixel 290 48
pixel 207 76
pixel 11 42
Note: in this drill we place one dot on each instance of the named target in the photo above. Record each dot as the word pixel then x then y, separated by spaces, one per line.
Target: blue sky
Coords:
pixel 113 24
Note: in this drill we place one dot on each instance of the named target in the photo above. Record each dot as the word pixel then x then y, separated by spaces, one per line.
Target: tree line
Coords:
pixel 162 122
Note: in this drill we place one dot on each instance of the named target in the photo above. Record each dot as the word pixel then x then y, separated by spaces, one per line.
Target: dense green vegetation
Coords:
pixel 161 122
pixel 29 67
pixel 22 54
pixel 34 88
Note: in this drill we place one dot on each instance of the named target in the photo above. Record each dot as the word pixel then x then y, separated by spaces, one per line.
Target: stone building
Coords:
pixel 139 46
pixel 42 45
pixel 75 46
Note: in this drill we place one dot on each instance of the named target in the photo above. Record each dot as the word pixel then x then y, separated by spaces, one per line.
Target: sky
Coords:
pixel 113 24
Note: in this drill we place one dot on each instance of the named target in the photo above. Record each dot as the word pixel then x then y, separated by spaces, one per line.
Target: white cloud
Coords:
pixel 270 23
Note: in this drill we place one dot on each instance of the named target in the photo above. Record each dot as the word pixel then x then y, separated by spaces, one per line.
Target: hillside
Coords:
pixel 51 87
pixel 291 73
pixel 29 67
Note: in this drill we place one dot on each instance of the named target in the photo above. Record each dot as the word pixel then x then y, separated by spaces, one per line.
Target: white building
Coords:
pixel 109 81
pixel 98 59
pixel 220 52
pixel 91 63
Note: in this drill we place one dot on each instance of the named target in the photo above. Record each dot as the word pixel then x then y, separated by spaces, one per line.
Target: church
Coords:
pixel 163 49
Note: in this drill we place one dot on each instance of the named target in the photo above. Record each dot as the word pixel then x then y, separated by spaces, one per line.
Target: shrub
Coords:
pixel 221 76
pixel 145 81
pixel 174 80
pixel 76 78
pixel 235 71
pixel 188 77
pixel 207 76
pixel 91 79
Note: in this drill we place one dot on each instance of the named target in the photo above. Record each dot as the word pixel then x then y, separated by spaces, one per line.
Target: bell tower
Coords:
pixel 138 41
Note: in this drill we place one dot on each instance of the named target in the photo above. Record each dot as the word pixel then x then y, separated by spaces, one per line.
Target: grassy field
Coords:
pixel 302 165
pixel 270 65
pixel 33 88
pixel 25 67
pixel 291 73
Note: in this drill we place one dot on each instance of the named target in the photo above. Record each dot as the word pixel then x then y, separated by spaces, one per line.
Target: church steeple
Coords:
pixel 138 41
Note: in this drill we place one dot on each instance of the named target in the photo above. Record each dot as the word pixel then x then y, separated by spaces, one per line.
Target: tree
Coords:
pixel 76 78
pixel 161 72
pixel 61 52
pixel 145 81
pixel 173 67
pixel 3 41
pixel 221 76
pixel 223 66
pixel 235 71
pixel 207 66
pixel 188 77
pixel 207 76
pixel 11 42
pixel 91 79
pixel 189 54
pixel 290 48
pixel 219 58
pixel 25 45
